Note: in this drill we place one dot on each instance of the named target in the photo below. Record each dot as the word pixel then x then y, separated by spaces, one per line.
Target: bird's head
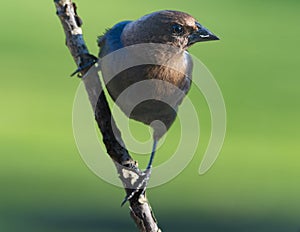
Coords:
pixel 167 27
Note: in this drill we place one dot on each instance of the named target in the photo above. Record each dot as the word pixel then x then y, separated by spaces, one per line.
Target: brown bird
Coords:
pixel 156 88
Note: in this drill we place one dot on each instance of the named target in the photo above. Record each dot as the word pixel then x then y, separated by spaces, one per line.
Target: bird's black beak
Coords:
pixel 201 35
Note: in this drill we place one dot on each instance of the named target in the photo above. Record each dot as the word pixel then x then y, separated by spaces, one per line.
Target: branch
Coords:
pixel 141 211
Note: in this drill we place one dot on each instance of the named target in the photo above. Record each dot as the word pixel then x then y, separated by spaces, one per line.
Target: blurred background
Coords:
pixel 253 186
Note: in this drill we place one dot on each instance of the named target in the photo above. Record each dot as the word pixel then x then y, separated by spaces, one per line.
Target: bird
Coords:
pixel 166 35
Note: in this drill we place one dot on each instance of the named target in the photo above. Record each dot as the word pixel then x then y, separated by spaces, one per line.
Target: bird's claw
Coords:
pixel 83 67
pixel 141 186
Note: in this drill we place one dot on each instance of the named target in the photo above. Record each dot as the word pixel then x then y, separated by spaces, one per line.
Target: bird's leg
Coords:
pixel 152 154
pixel 143 178
pixel 148 170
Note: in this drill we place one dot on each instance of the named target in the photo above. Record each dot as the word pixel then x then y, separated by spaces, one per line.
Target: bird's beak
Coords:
pixel 201 35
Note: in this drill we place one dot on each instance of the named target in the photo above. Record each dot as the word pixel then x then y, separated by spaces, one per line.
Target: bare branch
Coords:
pixel 141 211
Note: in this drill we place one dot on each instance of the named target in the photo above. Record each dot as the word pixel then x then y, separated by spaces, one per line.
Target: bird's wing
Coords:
pixel 111 40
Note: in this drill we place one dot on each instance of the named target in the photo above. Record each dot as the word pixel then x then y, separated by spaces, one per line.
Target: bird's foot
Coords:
pixel 89 64
pixel 139 186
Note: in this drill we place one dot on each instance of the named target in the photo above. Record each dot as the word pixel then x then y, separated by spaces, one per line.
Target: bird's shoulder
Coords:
pixel 111 40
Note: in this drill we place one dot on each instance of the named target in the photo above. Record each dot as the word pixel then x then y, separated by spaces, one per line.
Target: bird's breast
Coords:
pixel 149 92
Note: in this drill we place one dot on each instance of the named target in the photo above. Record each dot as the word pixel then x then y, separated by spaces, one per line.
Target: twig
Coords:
pixel 141 211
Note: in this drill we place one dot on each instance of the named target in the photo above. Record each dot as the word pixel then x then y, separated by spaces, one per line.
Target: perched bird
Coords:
pixel 177 31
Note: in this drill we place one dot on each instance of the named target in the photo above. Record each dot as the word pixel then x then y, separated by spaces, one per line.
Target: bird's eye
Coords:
pixel 177 29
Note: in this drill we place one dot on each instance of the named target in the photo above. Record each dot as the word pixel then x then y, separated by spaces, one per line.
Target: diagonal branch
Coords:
pixel 127 168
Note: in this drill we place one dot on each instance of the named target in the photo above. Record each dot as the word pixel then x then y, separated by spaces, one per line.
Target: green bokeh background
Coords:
pixel 253 186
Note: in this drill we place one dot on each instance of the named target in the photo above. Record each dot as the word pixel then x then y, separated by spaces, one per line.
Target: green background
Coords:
pixel 253 186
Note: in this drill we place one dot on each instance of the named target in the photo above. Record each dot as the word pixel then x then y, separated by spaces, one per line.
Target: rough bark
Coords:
pixel 127 168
